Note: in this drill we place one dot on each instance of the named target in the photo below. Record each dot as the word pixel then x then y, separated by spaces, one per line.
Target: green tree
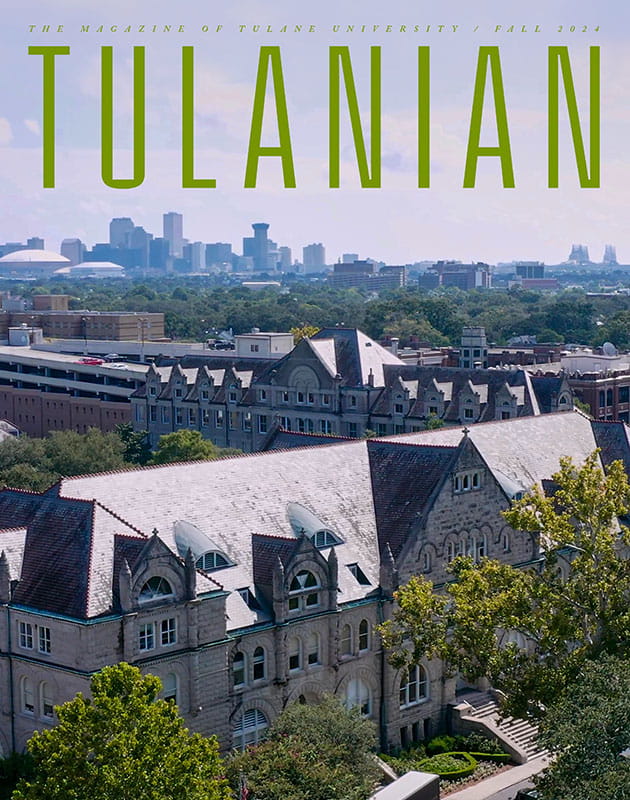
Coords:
pixel 313 752
pixel 303 331
pixel 136 444
pixel 186 445
pixel 571 608
pixel 586 729
pixel 122 744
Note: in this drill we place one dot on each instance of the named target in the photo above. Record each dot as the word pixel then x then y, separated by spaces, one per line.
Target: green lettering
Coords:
pixel 424 118
pixel 560 55
pixel 48 112
pixel 270 55
pixel 107 121
pixel 370 178
pixel 188 125
pixel 488 55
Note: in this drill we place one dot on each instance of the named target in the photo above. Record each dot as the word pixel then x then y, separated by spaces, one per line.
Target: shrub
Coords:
pixel 442 744
pixel 450 765
pixel 478 743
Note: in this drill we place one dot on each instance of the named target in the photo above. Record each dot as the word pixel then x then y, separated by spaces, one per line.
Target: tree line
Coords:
pixel 194 310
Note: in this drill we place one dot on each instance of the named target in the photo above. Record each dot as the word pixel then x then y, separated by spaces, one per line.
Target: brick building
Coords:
pixel 252 582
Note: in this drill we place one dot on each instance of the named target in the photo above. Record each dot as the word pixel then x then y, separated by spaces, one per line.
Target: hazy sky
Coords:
pixel 397 223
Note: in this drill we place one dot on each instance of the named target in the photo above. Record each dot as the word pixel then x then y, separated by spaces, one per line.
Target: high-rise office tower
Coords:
pixel 140 241
pixel 119 230
pixel 284 259
pixel 35 243
pixel 261 246
pixel 174 232
pixel 314 257
pixel 349 258
pixel 73 250
pixel 610 255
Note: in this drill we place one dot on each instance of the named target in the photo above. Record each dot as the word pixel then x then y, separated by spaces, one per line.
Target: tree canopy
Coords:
pixel 586 729
pixel 531 630
pixel 313 752
pixel 123 743
pixel 187 445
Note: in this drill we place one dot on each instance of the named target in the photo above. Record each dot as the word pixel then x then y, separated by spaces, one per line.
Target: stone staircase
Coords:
pixel 479 711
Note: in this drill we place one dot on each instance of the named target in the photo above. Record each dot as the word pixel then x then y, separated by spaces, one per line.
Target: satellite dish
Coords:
pixel 609 349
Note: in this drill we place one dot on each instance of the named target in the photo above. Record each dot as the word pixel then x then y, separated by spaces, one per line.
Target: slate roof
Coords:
pixel 279 439
pixel 356 356
pixel 613 439
pixel 367 492
pixel 487 383
pixel 547 389
pixel 404 476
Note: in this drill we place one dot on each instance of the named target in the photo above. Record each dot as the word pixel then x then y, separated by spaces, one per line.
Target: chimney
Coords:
pixel 393 344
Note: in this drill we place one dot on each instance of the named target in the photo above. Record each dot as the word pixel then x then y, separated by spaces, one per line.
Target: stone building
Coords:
pixel 252 582
pixel 339 382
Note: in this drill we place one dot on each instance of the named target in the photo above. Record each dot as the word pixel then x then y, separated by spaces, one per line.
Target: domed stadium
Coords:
pixel 31 263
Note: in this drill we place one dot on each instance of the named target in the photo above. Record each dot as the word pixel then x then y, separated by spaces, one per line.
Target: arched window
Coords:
pixel 312 649
pixel 303 592
pixel 482 546
pixel 45 700
pixel 450 551
pixel 28 696
pixel 505 541
pixel 258 663
pixel 212 560
pixel 169 688
pixel 345 641
pixel 239 673
pixel 249 729
pixel 413 686
pixel 426 561
pixel 358 696
pixel 295 654
pixel 364 635
pixel 155 588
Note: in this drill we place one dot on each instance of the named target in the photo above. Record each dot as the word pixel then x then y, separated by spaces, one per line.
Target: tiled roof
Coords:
pixel 403 478
pixel 266 550
pixel 280 439
pixel 357 356
pixel 613 440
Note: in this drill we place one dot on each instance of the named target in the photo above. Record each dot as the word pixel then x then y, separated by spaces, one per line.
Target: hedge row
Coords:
pixel 433 765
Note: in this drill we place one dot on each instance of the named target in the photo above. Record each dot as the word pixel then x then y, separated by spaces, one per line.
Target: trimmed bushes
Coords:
pixel 451 766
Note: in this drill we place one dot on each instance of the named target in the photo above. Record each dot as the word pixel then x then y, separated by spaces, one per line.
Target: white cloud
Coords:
pixel 6 133
pixel 33 126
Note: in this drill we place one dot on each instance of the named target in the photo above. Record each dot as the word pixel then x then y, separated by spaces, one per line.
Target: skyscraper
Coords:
pixel 314 257
pixel 119 230
pixel 174 232
pixel 261 246
pixel 73 250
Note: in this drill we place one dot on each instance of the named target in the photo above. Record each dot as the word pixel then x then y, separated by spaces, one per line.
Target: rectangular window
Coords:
pixel 205 416
pixel 247 421
pixel 152 391
pixel 325 426
pixel 301 397
pixel 310 398
pixel 178 392
pixel 254 348
pixel 234 415
pixel 218 418
pixel 468 413
pixel 624 394
pixel 285 397
pixel 325 399
pixel 179 416
pixel 26 635
pixel 192 416
pixel 168 631
pixel 44 639
pixel 165 416
pixel 398 408
pixel 138 410
pixel 262 424
pixel 262 394
pixel 146 637
pixel 285 423
pixel 352 429
pixel 232 397
pixel 204 394
pixel 353 400
pixel 381 429
pixel 152 414
pixel 433 410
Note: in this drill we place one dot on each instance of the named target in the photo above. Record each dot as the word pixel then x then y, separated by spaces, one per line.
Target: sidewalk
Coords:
pixel 484 789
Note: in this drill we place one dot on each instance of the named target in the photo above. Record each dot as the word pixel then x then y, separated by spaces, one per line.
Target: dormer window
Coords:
pixel 152 391
pixel 232 397
pixel 212 560
pixel 204 394
pixel 304 592
pixel 154 589
pixel 325 538
pixel 358 573
pixel 178 392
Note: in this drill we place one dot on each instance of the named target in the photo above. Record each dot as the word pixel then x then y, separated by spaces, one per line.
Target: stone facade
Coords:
pixel 269 574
